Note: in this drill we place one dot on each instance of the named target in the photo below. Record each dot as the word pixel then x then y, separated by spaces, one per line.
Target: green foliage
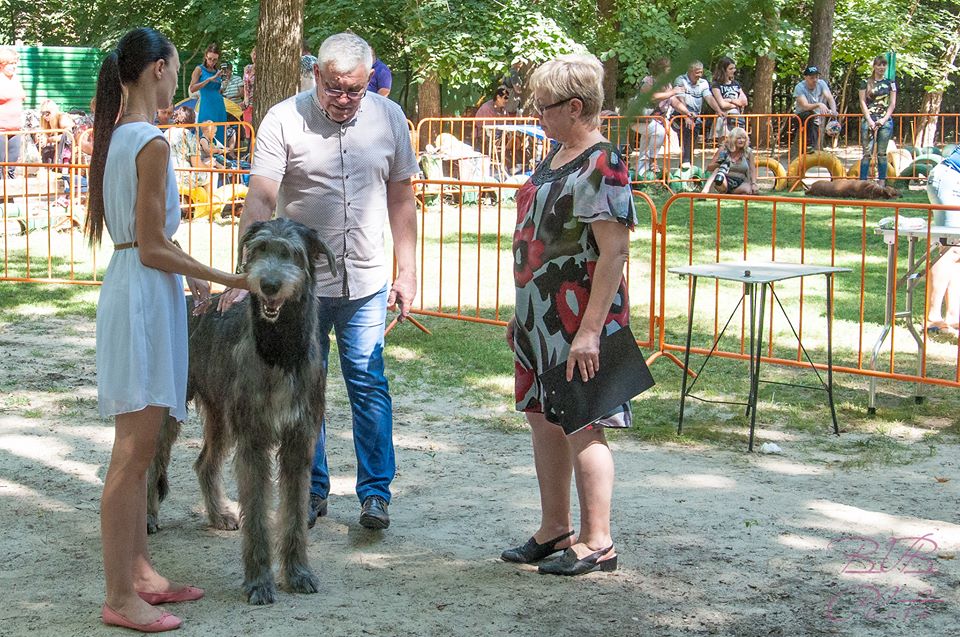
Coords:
pixel 646 33
pixel 468 44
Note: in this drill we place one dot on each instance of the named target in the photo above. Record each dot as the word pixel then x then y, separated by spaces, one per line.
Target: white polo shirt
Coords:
pixel 333 178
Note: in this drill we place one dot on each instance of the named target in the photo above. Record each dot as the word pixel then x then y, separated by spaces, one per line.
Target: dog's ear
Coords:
pixel 318 248
pixel 250 232
pixel 891 192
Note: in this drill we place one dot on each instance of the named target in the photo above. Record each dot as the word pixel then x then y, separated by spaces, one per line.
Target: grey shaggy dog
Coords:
pixel 257 379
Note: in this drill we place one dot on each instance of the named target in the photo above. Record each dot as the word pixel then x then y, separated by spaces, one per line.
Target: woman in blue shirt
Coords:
pixel 206 80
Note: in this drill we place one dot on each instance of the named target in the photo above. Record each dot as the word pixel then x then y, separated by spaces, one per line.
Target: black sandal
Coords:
pixel 533 551
pixel 570 564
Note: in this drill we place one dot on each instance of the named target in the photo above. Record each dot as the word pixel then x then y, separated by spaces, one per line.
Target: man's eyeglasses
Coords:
pixel 337 93
pixel 540 110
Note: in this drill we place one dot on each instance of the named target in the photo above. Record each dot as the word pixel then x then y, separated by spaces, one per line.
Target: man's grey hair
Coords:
pixel 344 52
pixel 696 64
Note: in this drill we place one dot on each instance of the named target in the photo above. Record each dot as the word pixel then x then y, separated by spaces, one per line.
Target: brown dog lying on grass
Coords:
pixel 851 189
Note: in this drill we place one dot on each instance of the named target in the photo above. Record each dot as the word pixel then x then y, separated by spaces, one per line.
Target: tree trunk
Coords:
pixel 821 36
pixel 927 135
pixel 763 96
pixel 606 12
pixel 428 105
pixel 278 54
pixel 611 73
pixel 762 100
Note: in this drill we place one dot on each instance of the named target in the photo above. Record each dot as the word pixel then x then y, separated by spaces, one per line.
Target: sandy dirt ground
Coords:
pixel 712 541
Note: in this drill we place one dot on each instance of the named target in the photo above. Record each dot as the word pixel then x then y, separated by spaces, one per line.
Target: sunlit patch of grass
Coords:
pixel 20 300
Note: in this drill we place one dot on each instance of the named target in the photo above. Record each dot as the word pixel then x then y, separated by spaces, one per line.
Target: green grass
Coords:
pixel 20 301
pixel 472 362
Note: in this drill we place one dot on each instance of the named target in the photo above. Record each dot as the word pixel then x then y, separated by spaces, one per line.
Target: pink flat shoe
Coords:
pixel 185 594
pixel 166 622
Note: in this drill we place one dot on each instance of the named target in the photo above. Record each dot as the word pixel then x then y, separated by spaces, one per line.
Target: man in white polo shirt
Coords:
pixel 338 159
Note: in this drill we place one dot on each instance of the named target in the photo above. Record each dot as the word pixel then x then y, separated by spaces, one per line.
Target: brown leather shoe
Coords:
pixel 318 509
pixel 373 513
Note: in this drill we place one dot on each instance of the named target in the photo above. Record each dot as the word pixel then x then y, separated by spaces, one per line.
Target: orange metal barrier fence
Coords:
pixel 465 262
pixel 504 149
pixel 913 150
pixel 52 197
pixel 774 138
pixel 880 310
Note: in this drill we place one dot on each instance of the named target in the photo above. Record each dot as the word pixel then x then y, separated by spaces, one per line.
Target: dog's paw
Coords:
pixel 301 579
pixel 225 521
pixel 153 524
pixel 261 592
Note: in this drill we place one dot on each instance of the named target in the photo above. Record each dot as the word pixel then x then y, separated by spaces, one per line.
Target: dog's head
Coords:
pixel 279 258
pixel 889 192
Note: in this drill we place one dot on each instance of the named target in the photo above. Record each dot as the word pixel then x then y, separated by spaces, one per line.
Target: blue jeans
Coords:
pixel 10 151
pixel 359 325
pixel 882 138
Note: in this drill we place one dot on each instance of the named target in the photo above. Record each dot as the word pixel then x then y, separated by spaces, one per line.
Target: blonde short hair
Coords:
pixel 733 135
pixel 569 76
pixel 8 55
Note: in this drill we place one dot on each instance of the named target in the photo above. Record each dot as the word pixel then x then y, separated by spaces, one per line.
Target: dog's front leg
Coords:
pixel 253 483
pixel 296 451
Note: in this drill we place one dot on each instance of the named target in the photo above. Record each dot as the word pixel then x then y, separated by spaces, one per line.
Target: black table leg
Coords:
pixel 751 290
pixel 833 409
pixel 686 353
pixel 755 381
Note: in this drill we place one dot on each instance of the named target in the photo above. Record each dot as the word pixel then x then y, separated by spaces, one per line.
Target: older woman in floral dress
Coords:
pixel 570 246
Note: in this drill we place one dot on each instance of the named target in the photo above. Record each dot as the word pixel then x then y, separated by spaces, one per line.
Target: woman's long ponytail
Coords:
pixel 109 101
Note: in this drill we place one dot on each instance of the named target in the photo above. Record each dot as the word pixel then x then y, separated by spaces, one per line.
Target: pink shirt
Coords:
pixel 11 103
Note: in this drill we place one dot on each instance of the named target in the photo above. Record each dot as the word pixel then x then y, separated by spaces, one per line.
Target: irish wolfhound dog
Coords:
pixel 257 380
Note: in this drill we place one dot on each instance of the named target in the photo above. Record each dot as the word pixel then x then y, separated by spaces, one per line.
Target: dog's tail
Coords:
pixel 168 434
pixel 163 487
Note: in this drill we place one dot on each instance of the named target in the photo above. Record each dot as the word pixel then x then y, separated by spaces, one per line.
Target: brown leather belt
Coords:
pixel 124 246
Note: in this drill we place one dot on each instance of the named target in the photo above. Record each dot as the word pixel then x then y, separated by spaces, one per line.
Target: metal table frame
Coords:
pixel 756 277
pixel 916 270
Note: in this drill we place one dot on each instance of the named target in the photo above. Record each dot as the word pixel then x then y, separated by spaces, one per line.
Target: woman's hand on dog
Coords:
pixel 201 294
pixel 229 297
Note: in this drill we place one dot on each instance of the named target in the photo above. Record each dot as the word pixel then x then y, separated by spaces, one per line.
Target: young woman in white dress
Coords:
pixel 141 315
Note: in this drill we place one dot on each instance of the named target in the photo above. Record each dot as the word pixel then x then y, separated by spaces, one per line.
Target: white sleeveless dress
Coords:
pixel 141 316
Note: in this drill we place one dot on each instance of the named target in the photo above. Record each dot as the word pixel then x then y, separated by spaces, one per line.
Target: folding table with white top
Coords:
pixel 756 277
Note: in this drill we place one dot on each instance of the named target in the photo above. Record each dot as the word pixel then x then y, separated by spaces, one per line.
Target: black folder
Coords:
pixel 623 374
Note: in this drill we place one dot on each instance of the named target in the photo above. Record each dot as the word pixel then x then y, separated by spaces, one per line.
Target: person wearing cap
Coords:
pixel 813 97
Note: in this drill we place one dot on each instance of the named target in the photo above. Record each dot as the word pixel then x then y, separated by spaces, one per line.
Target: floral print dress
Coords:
pixel 555 254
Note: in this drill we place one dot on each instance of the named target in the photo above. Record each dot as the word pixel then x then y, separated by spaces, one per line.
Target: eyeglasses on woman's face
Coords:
pixel 540 109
